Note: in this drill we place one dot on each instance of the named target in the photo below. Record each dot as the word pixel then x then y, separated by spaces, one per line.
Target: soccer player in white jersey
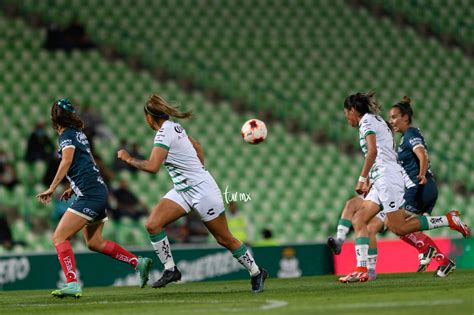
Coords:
pixel 382 173
pixel 194 189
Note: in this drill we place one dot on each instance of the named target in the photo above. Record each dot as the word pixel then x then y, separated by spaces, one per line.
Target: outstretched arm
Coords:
pixel 197 146
pixel 152 165
pixel 66 161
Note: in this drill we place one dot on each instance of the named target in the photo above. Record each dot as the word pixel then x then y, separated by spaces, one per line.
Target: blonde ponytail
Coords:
pixel 374 106
pixel 157 107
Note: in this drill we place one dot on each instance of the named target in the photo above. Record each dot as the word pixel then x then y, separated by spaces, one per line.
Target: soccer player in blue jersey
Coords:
pixel 88 210
pixel 194 189
pixel 421 198
pixel 384 176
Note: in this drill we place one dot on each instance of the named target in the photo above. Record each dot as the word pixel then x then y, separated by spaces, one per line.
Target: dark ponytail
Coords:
pixel 363 103
pixel 405 108
pixel 63 115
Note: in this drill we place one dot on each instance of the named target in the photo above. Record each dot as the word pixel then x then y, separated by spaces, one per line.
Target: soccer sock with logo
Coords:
pixel 245 258
pixel 372 258
pixel 343 228
pixel 362 249
pixel 419 240
pixel 67 261
pixel 162 249
pixel 116 251
pixel 429 223
pixel 441 259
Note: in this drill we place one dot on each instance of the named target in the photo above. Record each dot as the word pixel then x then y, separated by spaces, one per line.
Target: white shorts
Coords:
pixel 205 198
pixel 388 191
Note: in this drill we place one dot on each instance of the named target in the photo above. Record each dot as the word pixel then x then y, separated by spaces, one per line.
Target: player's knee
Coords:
pixel 358 222
pixel 57 239
pixel 94 246
pixel 153 227
pixel 226 241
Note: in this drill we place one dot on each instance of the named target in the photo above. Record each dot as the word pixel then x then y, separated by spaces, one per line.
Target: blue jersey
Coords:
pixel 411 139
pixel 83 174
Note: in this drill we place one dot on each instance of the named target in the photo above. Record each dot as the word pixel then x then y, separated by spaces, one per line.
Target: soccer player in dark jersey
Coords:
pixel 421 198
pixel 89 208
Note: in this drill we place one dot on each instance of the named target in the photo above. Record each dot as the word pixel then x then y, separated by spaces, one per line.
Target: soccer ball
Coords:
pixel 254 131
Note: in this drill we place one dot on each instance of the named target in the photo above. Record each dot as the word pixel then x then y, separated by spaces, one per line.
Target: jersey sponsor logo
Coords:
pixel 81 138
pixel 178 129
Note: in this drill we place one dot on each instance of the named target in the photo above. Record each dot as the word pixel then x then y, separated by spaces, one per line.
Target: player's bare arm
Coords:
pixel 152 165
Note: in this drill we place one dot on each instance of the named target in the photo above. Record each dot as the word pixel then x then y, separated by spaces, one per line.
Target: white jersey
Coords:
pixel 386 160
pixel 182 162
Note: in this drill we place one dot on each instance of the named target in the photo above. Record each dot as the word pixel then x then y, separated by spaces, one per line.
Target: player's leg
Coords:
pixel 344 224
pixel 168 210
pixel 391 196
pixel 95 242
pixel 219 229
pixel 397 224
pixel 210 206
pixel 69 225
pixel 375 225
pixel 429 196
pixel 360 220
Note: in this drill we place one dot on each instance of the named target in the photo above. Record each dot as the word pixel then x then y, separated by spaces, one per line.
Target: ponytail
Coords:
pixel 158 108
pixel 363 103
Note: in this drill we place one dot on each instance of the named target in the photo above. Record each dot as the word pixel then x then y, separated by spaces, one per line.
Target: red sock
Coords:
pixel 419 240
pixel 441 259
pixel 66 259
pixel 116 251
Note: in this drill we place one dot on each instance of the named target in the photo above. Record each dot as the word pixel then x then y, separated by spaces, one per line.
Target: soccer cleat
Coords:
pixel 445 270
pixel 171 275
pixel 358 275
pixel 372 275
pixel 425 258
pixel 143 269
pixel 72 289
pixel 258 281
pixel 335 245
pixel 455 223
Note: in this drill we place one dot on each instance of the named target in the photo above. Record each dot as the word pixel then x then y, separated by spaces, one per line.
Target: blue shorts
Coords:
pixel 93 208
pixel 421 198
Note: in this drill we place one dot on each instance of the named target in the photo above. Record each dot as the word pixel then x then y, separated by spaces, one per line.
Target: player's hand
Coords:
pixel 123 155
pixel 46 196
pixel 422 179
pixel 362 188
pixel 66 194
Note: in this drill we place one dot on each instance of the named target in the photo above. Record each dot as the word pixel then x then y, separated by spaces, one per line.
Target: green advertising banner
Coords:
pixel 31 271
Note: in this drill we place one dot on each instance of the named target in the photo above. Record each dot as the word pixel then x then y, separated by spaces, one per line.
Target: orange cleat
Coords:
pixel 360 274
pixel 455 223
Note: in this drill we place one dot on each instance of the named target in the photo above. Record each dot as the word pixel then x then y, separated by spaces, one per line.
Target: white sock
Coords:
pixel 436 222
pixel 371 262
pixel 161 245
pixel 362 251
pixel 245 258
pixel 342 232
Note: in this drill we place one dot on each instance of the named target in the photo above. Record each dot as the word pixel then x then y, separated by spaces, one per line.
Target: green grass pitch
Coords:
pixel 399 294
